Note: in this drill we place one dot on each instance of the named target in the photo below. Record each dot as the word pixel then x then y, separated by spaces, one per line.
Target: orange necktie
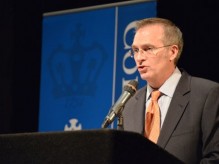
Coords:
pixel 152 123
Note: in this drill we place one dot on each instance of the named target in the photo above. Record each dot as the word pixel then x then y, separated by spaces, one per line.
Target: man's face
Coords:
pixel 155 65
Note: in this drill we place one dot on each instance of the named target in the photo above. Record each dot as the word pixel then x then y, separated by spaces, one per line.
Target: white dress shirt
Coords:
pixel 167 90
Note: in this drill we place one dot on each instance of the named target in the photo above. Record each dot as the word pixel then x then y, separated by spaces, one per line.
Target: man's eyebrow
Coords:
pixel 144 45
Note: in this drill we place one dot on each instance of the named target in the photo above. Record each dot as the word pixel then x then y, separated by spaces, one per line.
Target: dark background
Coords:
pixel 20 40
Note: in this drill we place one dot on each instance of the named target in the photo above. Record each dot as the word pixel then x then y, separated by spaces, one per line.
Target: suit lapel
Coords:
pixel 176 109
pixel 139 114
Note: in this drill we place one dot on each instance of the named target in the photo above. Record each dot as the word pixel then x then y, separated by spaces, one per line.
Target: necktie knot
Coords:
pixel 155 95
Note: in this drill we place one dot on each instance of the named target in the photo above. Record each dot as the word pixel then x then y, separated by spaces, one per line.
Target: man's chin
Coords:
pixel 144 76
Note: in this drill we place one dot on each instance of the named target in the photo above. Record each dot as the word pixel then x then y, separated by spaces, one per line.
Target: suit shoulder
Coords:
pixel 204 86
pixel 141 91
pixel 203 82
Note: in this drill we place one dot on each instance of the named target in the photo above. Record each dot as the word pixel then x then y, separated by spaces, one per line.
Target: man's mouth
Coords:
pixel 141 67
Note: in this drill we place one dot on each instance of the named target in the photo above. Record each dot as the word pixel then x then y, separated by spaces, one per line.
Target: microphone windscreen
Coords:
pixel 131 87
pixel 134 83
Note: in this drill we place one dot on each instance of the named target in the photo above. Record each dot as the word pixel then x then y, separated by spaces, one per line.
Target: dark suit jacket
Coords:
pixel 191 128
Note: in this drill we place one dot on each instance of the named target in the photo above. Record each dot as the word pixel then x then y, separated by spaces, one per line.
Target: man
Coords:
pixel 188 106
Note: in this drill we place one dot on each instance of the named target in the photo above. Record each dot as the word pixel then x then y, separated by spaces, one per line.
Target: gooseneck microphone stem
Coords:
pixel 120 123
pixel 116 109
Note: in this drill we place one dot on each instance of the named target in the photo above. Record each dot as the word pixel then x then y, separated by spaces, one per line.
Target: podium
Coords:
pixel 103 146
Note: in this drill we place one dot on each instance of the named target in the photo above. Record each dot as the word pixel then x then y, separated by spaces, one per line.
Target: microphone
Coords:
pixel 116 109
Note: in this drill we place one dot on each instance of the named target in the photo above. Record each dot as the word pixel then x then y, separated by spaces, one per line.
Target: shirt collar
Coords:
pixel 169 85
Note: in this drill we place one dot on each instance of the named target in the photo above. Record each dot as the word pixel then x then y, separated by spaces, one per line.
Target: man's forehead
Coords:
pixel 156 28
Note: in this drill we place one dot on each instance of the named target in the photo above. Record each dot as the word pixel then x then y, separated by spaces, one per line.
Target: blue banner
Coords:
pixel 85 64
pixel 126 69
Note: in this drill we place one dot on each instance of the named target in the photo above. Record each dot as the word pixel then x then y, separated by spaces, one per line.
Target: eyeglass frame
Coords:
pixel 149 49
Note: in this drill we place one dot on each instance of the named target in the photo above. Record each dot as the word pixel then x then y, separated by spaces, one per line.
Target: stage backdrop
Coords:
pixel 85 63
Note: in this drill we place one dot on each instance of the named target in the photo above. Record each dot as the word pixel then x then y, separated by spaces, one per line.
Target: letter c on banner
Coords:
pixel 129 27
pixel 128 71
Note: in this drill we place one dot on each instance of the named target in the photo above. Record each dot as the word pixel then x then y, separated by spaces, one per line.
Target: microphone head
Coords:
pixel 133 83
pixel 131 87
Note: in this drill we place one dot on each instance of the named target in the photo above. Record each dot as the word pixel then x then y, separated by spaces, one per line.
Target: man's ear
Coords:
pixel 174 51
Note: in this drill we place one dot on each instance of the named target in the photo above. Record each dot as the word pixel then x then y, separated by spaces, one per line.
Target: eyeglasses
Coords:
pixel 149 52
